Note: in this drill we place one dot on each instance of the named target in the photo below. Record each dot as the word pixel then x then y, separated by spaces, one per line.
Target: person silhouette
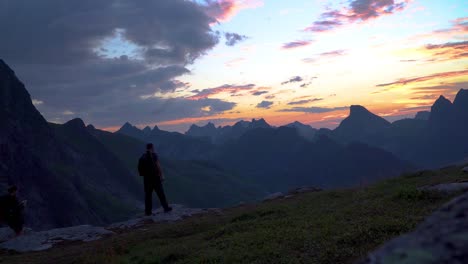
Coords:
pixel 12 210
pixel 150 168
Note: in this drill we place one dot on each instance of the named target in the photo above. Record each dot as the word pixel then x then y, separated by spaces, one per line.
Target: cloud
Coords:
pixel 234 62
pixel 226 88
pixel 61 60
pixel 439 75
pixel 305 101
pixel 459 26
pixel 37 102
pixel 257 93
pixel 296 44
pixel 357 11
pixel 326 55
pixel 264 104
pixel 293 80
pixel 315 110
pixel 233 38
pixel 448 51
pixel 145 111
pixel 224 10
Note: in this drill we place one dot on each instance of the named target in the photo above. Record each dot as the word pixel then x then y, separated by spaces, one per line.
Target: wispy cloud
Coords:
pixel 227 88
pixel 234 62
pixel 356 11
pixel 305 101
pixel 296 44
pixel 458 30
pixel 439 75
pixel 315 110
pixel 448 51
pixel 224 10
pixel 326 55
pixel 37 102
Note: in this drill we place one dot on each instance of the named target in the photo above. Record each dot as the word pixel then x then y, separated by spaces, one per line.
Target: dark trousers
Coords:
pixel 15 222
pixel 155 185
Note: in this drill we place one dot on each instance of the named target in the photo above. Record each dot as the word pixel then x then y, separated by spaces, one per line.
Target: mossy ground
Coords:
pixel 338 226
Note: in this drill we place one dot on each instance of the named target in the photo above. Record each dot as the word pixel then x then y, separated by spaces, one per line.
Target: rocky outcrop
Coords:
pixel 273 196
pixel 441 238
pixel 447 187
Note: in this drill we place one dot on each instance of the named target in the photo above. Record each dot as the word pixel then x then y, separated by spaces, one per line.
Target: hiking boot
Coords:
pixel 168 209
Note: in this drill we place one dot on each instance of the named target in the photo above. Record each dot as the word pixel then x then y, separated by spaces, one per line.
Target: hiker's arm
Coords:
pixel 160 172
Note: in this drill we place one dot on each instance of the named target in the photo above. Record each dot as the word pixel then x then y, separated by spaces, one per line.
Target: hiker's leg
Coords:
pixel 161 195
pixel 16 223
pixel 148 202
pixel 148 198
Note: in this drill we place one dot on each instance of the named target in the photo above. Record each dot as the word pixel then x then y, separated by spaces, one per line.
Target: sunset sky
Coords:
pixel 173 63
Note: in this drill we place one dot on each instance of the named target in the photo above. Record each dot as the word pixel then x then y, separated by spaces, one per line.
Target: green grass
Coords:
pixel 339 226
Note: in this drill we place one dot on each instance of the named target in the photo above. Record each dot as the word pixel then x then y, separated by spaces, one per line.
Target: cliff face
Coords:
pixel 46 168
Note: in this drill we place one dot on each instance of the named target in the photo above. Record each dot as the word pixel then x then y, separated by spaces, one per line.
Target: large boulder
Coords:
pixel 441 238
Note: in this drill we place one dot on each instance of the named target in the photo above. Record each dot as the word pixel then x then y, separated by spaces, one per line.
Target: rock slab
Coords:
pixel 447 187
pixel 37 241
pixel 441 238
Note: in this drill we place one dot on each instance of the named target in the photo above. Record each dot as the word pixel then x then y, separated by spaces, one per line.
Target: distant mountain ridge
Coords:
pixel 220 135
pixel 430 140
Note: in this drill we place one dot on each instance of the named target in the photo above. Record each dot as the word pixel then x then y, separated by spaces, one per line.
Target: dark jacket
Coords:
pixel 10 207
pixel 148 166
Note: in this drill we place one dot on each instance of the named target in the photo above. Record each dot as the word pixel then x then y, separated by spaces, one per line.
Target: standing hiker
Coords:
pixel 150 169
pixel 11 210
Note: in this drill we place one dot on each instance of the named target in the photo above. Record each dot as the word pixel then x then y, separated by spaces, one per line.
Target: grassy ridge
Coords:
pixel 324 227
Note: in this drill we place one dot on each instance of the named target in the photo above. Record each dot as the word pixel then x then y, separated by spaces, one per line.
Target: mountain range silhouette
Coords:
pixel 76 174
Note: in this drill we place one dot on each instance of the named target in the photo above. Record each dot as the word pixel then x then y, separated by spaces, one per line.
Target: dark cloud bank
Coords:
pixel 52 46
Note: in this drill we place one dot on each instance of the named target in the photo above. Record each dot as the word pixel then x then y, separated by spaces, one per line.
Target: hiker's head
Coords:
pixel 149 147
pixel 12 190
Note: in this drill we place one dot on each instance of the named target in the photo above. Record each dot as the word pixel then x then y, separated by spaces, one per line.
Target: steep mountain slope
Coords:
pixel 305 131
pixel 49 173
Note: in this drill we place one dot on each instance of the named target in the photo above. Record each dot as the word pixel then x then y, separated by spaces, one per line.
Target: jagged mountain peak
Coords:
pixel 360 123
pixel 76 123
pixel 461 99
pixel 442 104
pixel 147 130
pixel 259 123
pixel 127 125
pixel 358 110
pixel 422 115
pixel 210 125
